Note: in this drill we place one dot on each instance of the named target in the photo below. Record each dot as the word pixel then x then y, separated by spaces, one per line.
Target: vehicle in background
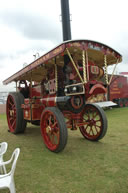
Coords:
pixel 118 90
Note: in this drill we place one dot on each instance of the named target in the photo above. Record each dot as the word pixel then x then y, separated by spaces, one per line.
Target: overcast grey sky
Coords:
pixel 28 27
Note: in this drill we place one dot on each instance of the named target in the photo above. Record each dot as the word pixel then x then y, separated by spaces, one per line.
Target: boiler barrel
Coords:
pixel 52 101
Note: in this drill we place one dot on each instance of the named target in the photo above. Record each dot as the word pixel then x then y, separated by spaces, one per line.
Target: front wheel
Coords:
pixel 93 124
pixel 53 129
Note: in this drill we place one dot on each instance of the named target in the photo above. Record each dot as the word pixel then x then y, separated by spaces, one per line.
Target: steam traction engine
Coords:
pixel 55 92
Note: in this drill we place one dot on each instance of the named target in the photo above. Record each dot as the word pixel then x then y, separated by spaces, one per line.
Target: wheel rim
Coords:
pixel 92 123
pixel 50 130
pixel 11 113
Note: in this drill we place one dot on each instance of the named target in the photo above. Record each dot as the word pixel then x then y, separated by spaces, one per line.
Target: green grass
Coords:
pixel 83 166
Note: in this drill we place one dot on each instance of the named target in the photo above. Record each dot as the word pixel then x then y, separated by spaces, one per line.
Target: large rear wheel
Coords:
pixel 93 124
pixel 14 112
pixel 53 129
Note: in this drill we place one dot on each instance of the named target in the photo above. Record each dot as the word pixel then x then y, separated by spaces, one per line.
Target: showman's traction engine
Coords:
pixel 56 91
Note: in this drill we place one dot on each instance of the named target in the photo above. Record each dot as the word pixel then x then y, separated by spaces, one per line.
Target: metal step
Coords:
pixel 106 104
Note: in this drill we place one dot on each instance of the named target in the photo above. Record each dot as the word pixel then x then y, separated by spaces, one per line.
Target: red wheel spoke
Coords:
pixel 13 106
pixel 54 125
pixel 86 119
pixel 98 120
pixel 50 120
pixel 10 102
pixel 98 126
pixel 11 118
pixel 52 139
pixel 92 131
pixel 14 122
pixel 88 115
pixel 55 136
pixel 96 129
pixel 48 135
pixel 94 115
pixel 86 127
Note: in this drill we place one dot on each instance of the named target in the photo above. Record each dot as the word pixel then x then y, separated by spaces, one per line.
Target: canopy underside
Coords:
pixel 38 70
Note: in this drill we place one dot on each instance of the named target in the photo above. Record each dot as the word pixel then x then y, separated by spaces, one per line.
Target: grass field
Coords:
pixel 83 166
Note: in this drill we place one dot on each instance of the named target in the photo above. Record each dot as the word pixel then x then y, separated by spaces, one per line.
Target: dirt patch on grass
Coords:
pixel 2 108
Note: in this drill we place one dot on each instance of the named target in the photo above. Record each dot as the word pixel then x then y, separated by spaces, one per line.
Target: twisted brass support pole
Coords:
pixel 87 65
pixel 56 77
pixel 74 65
pixel 105 65
pixel 84 67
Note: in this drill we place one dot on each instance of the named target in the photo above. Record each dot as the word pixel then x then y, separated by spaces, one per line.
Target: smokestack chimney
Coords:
pixel 65 20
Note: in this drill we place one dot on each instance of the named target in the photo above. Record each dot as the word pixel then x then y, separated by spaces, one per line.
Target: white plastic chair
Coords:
pixel 3 149
pixel 7 180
